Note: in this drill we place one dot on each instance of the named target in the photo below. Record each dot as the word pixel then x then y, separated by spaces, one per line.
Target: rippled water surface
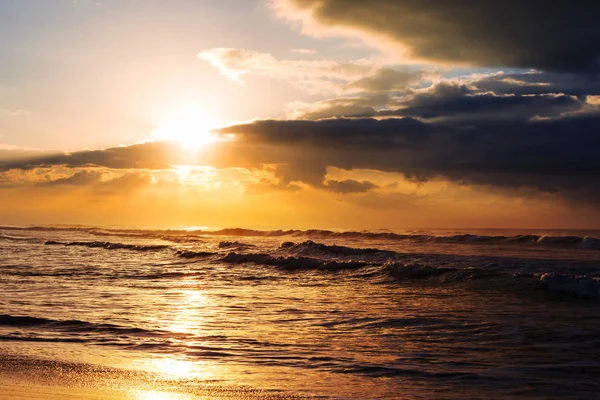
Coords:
pixel 430 314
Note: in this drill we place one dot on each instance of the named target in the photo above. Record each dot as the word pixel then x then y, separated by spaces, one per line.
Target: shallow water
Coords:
pixel 429 314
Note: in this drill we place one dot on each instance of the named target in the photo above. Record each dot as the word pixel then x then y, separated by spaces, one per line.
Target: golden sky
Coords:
pixel 296 113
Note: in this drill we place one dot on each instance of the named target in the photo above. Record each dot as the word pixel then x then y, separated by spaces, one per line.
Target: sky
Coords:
pixel 342 114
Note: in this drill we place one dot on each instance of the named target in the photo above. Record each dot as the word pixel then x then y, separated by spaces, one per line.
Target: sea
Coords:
pixel 325 314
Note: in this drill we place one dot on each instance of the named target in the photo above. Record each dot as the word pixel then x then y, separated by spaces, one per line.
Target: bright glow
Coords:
pixel 173 368
pixel 177 368
pixel 190 127
pixel 154 395
pixel 189 315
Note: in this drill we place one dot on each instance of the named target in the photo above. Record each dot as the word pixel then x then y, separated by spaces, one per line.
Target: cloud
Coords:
pixel 513 33
pixel 452 100
pixel 341 133
pixel 150 155
pixel 488 97
pixel 81 178
pixel 364 105
pixel 104 181
pixel 389 79
pixel 536 83
pixel 350 186
pixel 309 75
pixel 304 51
pixel 593 100
pixel 124 183
pixel 560 156
pixel 14 112
pixel 13 153
pixel 502 131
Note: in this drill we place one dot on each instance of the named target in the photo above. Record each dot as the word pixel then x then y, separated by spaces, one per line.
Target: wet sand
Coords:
pixel 19 389
pixel 29 378
pixel 14 390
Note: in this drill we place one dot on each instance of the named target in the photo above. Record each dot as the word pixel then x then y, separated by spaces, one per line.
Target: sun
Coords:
pixel 188 127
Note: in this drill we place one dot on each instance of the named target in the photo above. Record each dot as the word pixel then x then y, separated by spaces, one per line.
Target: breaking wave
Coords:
pixel 571 285
pixel 578 286
pixel 11 238
pixel 311 248
pixel 178 236
pixel 195 254
pixel 569 241
pixel 71 325
pixel 235 245
pixel 291 262
pixel 109 245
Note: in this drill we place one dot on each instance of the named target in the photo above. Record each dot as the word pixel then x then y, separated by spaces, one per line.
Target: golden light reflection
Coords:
pixel 172 367
pixel 154 395
pixel 188 315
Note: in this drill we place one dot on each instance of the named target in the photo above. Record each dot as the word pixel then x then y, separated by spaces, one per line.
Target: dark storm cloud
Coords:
pixel 151 155
pixel 557 36
pixel 458 101
pixel 101 182
pixel 539 83
pixel 355 134
pixel 387 79
pixel 16 154
pixel 363 106
pixel 558 155
pixel 555 156
pixel 490 97
pixel 350 186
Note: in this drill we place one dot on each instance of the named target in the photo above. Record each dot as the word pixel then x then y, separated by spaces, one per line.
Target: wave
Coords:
pixel 195 254
pixel 568 241
pixel 577 286
pixel 313 248
pixel 174 235
pixel 235 245
pixel 109 245
pixel 19 238
pixel 74 326
pixel 414 271
pixel 293 263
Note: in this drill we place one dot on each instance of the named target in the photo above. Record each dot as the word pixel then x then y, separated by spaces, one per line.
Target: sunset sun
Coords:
pixel 189 127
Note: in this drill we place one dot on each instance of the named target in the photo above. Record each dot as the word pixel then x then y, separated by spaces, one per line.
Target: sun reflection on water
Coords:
pixel 154 395
pixel 173 367
pixel 189 312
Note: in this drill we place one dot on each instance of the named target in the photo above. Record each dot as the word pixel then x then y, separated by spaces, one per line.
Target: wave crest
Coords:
pixel 109 245
pixel 26 239
pixel 313 248
pixel 291 262
pixel 195 254
pixel 578 286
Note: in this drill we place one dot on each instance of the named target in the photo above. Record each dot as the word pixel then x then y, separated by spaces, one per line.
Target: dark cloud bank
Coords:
pixel 556 156
pixel 556 36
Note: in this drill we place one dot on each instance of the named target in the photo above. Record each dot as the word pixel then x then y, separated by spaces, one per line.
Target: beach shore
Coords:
pixel 85 382
pixel 22 390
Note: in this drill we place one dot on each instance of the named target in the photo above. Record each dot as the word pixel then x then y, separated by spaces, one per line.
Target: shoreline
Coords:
pixel 24 377
pixel 19 389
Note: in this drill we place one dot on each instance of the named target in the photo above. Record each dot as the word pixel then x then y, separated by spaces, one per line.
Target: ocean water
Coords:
pixel 315 314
